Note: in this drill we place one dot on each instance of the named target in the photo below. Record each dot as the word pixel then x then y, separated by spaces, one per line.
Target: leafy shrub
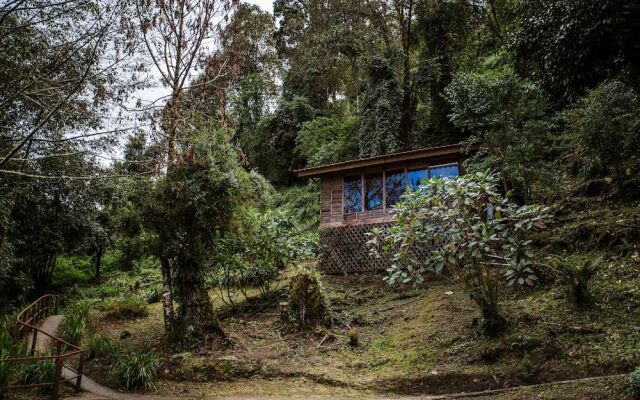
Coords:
pixel 506 113
pixel 43 371
pixel 76 321
pixel 153 295
pixel 71 270
pixel 116 285
pixel 126 307
pixel 263 244
pixel 576 274
pixel 606 126
pixel 99 346
pixel 135 369
pixel 634 383
pixel 469 229
pixel 302 203
pixel 8 348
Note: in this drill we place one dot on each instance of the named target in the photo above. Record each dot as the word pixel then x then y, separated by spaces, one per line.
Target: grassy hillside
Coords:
pixel 404 341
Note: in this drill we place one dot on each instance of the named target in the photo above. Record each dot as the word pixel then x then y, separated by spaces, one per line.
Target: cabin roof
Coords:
pixel 430 152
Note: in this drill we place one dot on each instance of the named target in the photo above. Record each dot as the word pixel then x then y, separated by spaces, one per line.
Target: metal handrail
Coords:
pixel 26 322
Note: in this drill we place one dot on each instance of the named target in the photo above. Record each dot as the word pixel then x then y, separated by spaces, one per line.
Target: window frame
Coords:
pixel 377 174
pixel 344 178
pixel 384 169
pixel 456 164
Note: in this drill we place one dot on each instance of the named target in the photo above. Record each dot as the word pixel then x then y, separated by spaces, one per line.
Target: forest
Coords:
pixel 150 206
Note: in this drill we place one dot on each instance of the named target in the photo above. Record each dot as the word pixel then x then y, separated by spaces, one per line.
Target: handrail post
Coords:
pixel 55 302
pixel 56 383
pixel 80 366
pixel 33 342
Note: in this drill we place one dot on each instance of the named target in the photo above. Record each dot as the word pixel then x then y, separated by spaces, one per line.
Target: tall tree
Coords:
pixel 571 46
pixel 380 112
pixel 62 65
pixel 324 46
pixel 173 33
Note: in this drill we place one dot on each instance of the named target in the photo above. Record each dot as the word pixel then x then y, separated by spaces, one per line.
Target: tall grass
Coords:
pixel 136 369
pixel 43 371
pixel 126 307
pixel 8 348
pixel 76 322
pixel 99 346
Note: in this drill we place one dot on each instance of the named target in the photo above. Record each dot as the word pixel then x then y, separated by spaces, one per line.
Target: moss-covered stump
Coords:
pixel 306 301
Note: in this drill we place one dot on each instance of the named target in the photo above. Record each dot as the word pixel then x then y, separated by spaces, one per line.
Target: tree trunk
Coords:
pixel 167 299
pixel 196 311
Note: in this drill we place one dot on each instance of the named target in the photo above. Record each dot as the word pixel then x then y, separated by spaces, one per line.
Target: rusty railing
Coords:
pixel 63 351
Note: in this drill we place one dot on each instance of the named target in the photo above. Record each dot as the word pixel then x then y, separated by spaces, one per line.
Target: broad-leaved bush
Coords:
pixel 469 229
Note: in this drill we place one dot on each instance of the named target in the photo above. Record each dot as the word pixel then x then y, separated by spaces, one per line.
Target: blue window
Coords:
pixel 373 191
pixel 444 171
pixel 415 178
pixel 395 186
pixel 352 194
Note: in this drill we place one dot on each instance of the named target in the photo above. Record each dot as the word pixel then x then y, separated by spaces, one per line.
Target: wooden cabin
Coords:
pixel 359 194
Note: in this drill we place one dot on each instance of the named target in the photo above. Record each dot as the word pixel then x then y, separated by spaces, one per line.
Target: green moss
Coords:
pixel 307 302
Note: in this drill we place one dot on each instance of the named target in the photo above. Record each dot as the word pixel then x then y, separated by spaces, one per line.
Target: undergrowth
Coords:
pixel 135 369
pixel 126 307
pixel 99 346
pixel 76 322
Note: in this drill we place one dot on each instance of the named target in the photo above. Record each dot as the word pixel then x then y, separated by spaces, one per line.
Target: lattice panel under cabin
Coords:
pixel 345 250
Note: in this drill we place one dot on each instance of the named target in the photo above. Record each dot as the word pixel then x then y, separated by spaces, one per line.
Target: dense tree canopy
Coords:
pixel 549 89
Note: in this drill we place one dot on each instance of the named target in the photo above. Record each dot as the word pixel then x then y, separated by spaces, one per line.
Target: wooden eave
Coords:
pixel 433 152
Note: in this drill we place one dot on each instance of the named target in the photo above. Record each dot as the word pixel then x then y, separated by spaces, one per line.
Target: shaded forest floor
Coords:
pixel 422 342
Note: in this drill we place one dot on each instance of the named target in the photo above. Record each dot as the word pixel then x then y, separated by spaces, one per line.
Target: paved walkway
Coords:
pixel 96 391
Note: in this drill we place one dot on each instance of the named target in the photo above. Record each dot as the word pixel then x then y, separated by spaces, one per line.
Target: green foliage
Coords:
pixel 43 371
pixel 634 383
pixel 76 321
pixel 576 275
pixel 605 126
pixel 507 114
pixel 307 301
pixel 323 46
pixel 135 369
pixel 99 346
pixel 126 307
pixel 153 294
pixel 8 348
pixel 71 270
pixel 327 140
pixel 573 45
pixel 468 228
pixel 381 110
pixel 263 244
pixel 15 283
pixel 273 153
pixel 302 203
